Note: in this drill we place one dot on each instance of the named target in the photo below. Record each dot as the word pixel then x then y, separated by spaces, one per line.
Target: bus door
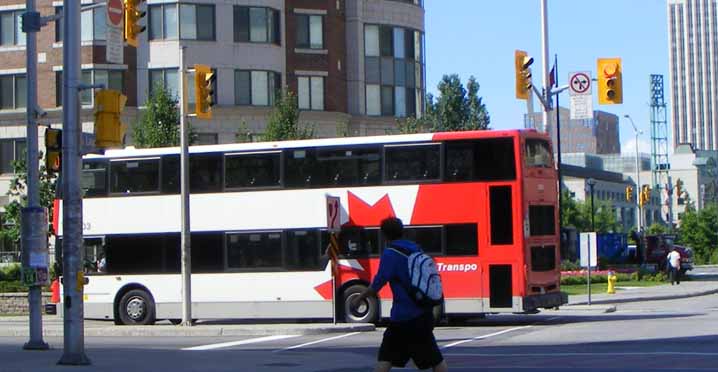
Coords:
pixel 94 255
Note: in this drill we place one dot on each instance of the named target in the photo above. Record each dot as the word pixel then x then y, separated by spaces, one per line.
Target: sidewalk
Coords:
pixel 17 326
pixel 661 292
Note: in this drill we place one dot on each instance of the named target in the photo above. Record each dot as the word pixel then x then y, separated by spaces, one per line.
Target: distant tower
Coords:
pixel 659 145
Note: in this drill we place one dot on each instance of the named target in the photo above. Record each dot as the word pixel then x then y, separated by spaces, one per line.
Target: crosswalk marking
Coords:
pixel 318 341
pixel 241 342
pixel 484 336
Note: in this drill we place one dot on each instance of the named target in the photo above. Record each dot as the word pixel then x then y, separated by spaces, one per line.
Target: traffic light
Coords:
pixel 629 193
pixel 522 62
pixel 109 130
pixel 610 82
pixel 53 150
pixel 203 90
pixel 645 196
pixel 133 15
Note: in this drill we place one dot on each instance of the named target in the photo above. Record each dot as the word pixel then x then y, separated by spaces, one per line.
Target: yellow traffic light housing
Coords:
pixel 53 150
pixel 522 64
pixel 204 79
pixel 109 130
pixel 679 188
pixel 133 15
pixel 610 81
pixel 645 197
pixel 629 193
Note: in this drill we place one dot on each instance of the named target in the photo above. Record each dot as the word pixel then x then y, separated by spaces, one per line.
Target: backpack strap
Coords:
pixel 403 251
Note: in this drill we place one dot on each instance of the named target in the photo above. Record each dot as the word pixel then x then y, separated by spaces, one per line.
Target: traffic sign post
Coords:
pixel 115 40
pixel 579 85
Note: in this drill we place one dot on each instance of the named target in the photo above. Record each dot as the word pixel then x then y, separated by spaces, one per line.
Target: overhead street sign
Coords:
pixel 114 52
pixel 579 83
pixel 579 86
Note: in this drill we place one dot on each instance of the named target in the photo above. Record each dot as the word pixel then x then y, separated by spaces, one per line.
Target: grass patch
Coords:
pixel 579 289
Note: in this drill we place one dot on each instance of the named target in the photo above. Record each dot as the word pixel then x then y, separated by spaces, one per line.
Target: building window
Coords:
pixel 256 88
pixel 186 21
pixel 10 29
pixel 310 31
pixel 393 66
pixel 13 92
pixel 11 150
pixel 256 25
pixel 93 24
pixel 166 78
pixel 112 79
pixel 310 92
pixel 415 2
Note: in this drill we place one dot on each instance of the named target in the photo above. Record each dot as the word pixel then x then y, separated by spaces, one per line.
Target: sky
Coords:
pixel 479 37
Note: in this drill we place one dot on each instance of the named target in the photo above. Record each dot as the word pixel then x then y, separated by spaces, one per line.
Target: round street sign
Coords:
pixel 579 83
pixel 114 12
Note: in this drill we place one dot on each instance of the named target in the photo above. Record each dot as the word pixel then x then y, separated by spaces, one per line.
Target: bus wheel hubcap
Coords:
pixel 136 308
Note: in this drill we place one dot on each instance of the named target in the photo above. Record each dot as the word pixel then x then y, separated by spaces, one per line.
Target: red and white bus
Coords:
pixel 483 203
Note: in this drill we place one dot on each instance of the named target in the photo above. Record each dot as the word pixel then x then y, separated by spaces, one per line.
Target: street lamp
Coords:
pixel 639 219
pixel 591 183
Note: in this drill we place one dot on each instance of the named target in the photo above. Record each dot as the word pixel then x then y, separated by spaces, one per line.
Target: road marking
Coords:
pixel 318 341
pixel 242 342
pixel 484 336
pixel 584 354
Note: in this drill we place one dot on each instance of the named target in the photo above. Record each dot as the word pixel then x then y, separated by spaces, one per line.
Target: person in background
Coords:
pixel 674 262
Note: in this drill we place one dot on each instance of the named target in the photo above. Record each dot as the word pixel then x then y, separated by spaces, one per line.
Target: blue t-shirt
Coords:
pixel 393 268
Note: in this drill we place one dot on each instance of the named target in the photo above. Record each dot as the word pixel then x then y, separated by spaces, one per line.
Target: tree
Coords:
pixel 657 229
pixel 160 123
pixel 578 214
pixel 457 108
pixel 18 198
pixel 478 117
pixel 699 230
pixel 283 123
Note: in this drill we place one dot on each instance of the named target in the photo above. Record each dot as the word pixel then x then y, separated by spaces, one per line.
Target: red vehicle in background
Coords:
pixel 658 247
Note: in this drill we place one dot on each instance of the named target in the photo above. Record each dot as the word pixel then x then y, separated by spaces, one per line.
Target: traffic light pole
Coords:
pixel 33 234
pixel 544 45
pixel 73 278
pixel 184 180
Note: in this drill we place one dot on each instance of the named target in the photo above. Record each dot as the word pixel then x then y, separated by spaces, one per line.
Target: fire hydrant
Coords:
pixel 611 282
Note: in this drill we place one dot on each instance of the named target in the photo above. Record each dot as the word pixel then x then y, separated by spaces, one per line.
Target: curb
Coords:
pixel 601 308
pixel 196 331
pixel 649 298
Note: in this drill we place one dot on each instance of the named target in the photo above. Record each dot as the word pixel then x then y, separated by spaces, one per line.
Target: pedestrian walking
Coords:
pixel 674 261
pixel 410 333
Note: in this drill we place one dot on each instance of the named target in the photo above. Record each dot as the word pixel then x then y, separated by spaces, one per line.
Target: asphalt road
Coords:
pixel 678 335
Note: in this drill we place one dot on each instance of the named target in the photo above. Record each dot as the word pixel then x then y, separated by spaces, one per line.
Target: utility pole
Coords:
pixel 184 180
pixel 544 47
pixel 639 214
pixel 34 217
pixel 73 277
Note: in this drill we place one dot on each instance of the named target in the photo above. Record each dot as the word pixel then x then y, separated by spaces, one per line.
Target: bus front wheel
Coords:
pixel 366 312
pixel 136 307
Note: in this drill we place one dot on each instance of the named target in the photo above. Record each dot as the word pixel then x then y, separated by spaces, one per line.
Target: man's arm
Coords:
pixel 356 301
pixel 381 278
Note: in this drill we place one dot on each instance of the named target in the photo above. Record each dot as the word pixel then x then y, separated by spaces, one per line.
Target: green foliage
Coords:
pixel 567 265
pixel 10 272
pixel 17 192
pixel 578 214
pixel 699 231
pixel 243 133
pixel 657 229
pixel 597 278
pixel 14 286
pixel 160 122
pixel 414 125
pixel 283 123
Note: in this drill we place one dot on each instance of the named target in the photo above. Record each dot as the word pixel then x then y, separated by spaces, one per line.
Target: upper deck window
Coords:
pixel 538 154
pixel 489 159
pixel 135 176
pixel 412 162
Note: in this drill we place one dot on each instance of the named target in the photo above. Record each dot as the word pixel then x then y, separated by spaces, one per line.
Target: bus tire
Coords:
pixel 367 312
pixel 136 307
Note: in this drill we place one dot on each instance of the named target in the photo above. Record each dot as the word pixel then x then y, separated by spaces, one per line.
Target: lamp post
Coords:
pixel 639 219
pixel 591 183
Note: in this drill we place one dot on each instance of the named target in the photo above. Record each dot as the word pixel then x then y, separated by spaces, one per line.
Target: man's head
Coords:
pixel 392 228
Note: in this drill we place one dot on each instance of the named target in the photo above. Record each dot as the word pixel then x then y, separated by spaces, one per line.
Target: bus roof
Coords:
pixel 323 142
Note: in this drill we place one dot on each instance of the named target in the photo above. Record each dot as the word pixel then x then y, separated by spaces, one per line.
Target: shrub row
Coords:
pixel 640 275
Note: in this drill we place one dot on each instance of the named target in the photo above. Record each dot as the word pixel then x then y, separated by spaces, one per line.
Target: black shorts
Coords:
pixel 413 339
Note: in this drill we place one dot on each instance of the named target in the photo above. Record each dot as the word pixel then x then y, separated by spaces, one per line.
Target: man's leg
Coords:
pixel 441 367
pixel 382 367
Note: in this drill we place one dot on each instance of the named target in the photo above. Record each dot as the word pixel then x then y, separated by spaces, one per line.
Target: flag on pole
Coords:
pixel 552 78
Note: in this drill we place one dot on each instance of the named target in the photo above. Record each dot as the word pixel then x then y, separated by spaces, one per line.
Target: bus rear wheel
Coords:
pixel 366 312
pixel 136 307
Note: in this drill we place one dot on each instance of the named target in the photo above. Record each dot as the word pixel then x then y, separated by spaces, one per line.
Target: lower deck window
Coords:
pixel 255 250
pixel 543 258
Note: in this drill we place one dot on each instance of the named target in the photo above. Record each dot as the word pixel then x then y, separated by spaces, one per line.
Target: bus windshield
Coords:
pixel 538 154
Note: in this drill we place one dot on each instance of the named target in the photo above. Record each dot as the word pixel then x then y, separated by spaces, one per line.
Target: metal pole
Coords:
pixel 558 149
pixel 593 215
pixel 184 178
pixel 588 275
pixel 33 237
pixel 639 214
pixel 73 277
pixel 544 46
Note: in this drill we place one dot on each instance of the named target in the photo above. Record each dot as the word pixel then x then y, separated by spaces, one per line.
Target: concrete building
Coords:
pixel 598 135
pixel 355 65
pixel 697 172
pixel 693 72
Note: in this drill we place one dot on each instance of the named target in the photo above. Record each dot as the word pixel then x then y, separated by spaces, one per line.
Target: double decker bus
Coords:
pixel 483 203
